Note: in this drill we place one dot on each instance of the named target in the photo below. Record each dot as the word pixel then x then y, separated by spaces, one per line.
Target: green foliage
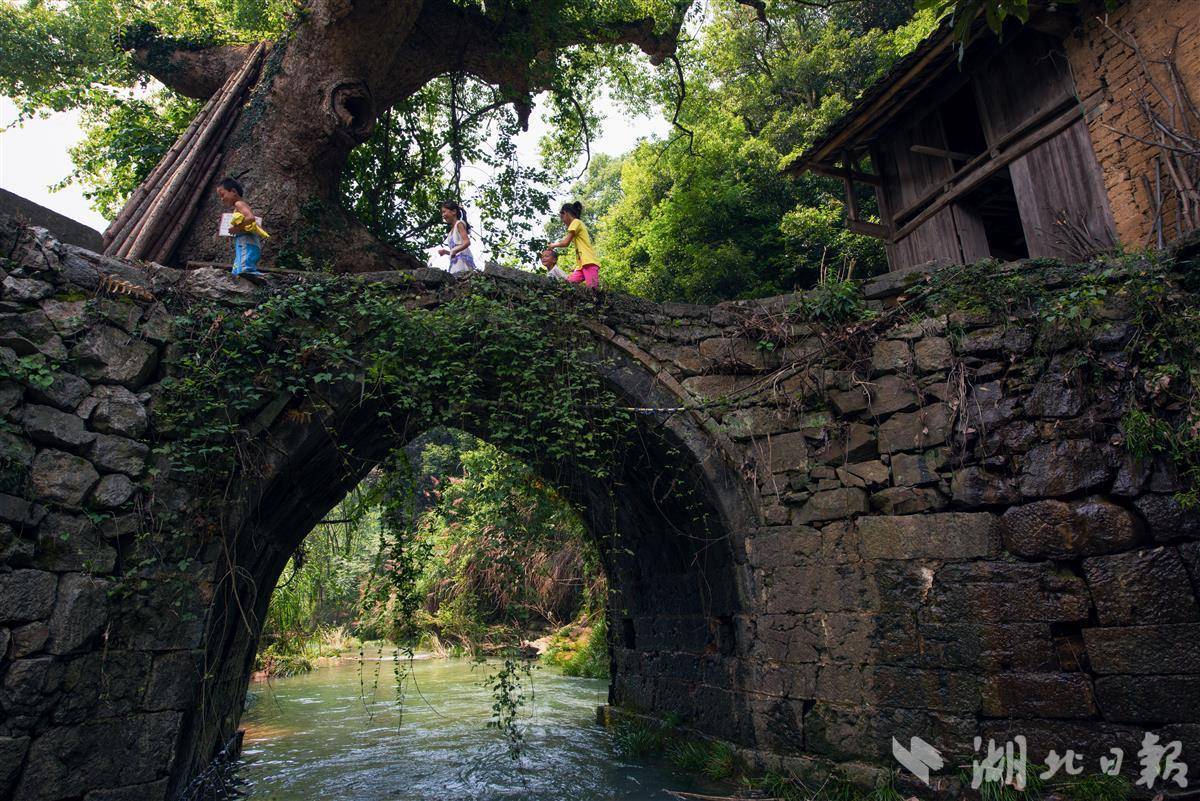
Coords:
pixel 709 215
pixel 836 300
pixel 638 739
pixel 124 140
pixel 1094 787
pixel 586 657
pixel 716 760
pixel 35 371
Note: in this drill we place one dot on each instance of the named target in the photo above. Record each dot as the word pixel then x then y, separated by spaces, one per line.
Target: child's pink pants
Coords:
pixel 588 273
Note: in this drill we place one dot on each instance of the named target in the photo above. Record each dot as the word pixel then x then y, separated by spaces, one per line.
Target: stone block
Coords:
pixel 715 387
pixel 31 333
pixel 977 486
pixel 907 500
pixel 947 536
pixel 917 469
pixel 12 756
pixel 757 421
pixel 937 690
pixel 174 680
pixel 1038 695
pixel 67 316
pixel 890 355
pixel 67 761
pixel 1014 592
pixel 25 290
pixel 853 442
pixel 933 354
pixel 1001 339
pixel 1059 393
pixel 116 410
pixel 738 353
pixel 833 504
pixel 848 402
pixel 27 640
pixel 79 613
pixel 26 595
pixel 1069 529
pixel 1141 588
pixel 20 512
pixel 864 474
pixel 785 452
pixel 112 355
pixel 59 477
pixel 73 543
pixel 66 391
pixel 1144 649
pixel 1149 699
pixel 119 454
pixel 891 393
pixel 49 426
pixel 112 491
pixel 1063 467
pixel 914 431
pixel 1167 520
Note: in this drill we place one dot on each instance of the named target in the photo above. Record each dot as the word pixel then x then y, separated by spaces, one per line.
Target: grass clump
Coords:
pixel 584 656
pixel 715 760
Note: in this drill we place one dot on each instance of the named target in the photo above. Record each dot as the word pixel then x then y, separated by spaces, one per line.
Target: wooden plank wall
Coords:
pixel 1059 177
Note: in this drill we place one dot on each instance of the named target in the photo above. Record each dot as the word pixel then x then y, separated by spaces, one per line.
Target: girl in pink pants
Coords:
pixel 588 269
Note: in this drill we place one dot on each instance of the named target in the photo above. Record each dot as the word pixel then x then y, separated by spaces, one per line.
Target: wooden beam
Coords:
pixel 937 152
pixel 848 184
pixel 993 152
pixel 1009 155
pixel 839 141
pixel 833 171
pixel 869 229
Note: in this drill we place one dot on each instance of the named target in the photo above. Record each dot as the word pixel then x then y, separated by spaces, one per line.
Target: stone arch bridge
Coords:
pixel 929 534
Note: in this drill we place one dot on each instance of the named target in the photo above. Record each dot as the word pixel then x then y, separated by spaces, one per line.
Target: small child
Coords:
pixel 549 260
pixel 248 234
pixel 587 263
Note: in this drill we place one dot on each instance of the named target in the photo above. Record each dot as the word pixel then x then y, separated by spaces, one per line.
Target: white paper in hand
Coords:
pixel 226 224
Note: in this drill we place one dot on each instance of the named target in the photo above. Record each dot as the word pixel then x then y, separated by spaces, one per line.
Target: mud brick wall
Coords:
pixel 927 530
pixel 1103 64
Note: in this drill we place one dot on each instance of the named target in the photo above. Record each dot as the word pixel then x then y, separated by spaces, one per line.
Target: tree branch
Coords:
pixel 192 71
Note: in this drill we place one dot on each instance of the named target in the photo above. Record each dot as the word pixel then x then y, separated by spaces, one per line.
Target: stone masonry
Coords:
pixel 932 533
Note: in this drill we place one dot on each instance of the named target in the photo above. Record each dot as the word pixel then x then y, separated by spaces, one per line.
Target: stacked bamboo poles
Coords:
pixel 158 213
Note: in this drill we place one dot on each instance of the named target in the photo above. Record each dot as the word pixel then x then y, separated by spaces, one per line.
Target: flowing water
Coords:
pixel 326 736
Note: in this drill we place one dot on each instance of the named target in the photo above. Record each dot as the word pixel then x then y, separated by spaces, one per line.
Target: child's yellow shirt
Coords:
pixel 584 252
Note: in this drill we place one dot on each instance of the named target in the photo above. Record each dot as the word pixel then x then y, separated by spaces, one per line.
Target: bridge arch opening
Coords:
pixel 668 524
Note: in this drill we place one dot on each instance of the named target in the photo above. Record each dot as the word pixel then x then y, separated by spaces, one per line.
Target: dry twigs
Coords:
pixel 1173 125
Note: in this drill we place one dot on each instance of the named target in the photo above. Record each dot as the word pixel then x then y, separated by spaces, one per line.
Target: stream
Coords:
pixel 334 734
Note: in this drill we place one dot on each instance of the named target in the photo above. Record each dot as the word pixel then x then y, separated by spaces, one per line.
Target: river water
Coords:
pixel 334 735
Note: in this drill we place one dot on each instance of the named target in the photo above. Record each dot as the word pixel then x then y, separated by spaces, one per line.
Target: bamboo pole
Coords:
pixel 146 188
pixel 154 199
pixel 149 228
pixel 150 223
pixel 182 202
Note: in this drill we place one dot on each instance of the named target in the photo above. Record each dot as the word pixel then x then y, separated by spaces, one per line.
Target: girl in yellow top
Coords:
pixel 587 263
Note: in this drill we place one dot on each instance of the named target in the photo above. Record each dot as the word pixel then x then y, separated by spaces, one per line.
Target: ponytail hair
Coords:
pixel 458 210
pixel 574 209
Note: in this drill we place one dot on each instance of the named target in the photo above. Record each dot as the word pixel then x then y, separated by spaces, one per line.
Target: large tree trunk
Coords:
pixel 323 87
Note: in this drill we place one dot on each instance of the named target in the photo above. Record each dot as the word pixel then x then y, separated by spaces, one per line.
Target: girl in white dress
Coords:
pixel 457 244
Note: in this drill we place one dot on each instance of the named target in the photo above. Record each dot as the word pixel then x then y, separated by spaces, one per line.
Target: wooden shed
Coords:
pixel 994 155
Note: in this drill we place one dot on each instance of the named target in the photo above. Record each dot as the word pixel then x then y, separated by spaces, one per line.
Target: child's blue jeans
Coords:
pixel 247 250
